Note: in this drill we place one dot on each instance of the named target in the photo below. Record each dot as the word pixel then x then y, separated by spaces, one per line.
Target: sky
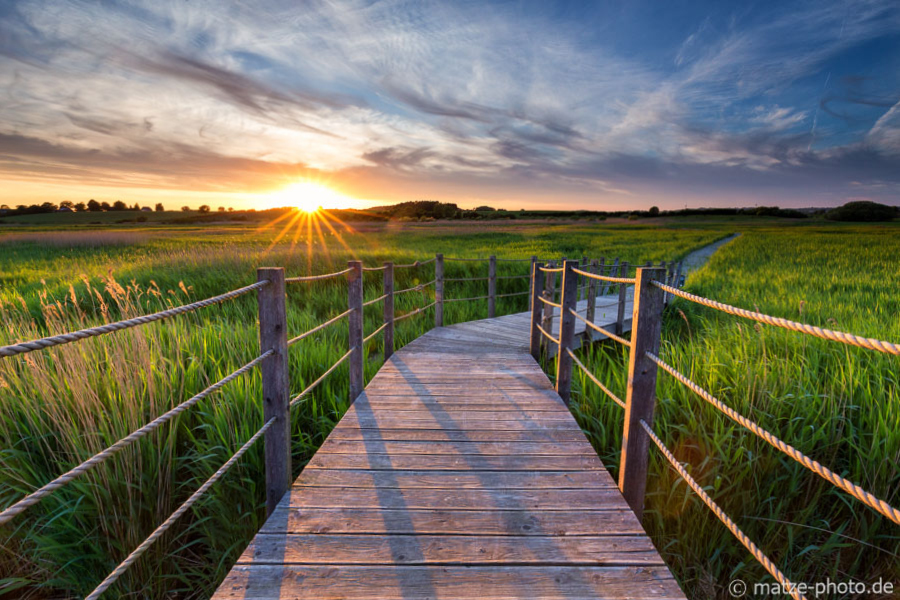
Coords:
pixel 591 105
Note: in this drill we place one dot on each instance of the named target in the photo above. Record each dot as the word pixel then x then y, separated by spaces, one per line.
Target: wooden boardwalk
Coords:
pixel 458 474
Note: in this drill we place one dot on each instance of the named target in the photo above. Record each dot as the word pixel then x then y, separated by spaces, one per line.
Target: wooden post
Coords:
pixel 355 301
pixel 537 289
pixel 623 288
pixel 548 292
pixel 388 310
pixel 585 261
pixel 275 384
pixel 591 300
pixel 569 302
pixel 607 286
pixel 531 281
pixel 641 395
pixel 439 290
pixel 492 287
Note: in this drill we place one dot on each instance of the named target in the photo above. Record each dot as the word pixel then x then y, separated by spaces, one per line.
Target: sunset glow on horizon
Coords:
pixel 557 105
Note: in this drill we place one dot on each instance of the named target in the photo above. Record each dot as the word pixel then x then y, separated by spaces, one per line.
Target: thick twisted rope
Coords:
pixel 37 495
pixel 614 398
pixel 513 260
pixel 726 520
pixel 316 277
pixel 513 294
pixel 417 263
pixel 374 300
pixel 464 299
pixel 449 279
pixel 331 321
pixel 321 378
pixel 551 270
pixel 374 333
pixel 599 277
pixel 415 288
pixel 414 312
pixel 381 268
pixel 599 329
pixel 547 335
pixel 67 338
pixel 466 259
pixel 826 334
pixel 550 302
pixel 159 531
pixel 828 475
pixel 514 277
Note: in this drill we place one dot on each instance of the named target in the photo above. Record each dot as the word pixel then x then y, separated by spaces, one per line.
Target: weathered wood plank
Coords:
pixel 462 499
pixel 450 435
pixel 598 521
pixel 394 448
pixel 443 462
pixel 311 549
pixel 265 582
pixel 463 479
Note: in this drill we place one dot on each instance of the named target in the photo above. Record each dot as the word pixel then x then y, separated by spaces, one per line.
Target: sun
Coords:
pixel 308 196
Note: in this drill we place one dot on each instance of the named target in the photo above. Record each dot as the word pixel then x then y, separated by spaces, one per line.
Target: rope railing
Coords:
pixel 454 279
pixel 414 312
pixel 66 338
pixel 826 334
pixel 415 288
pixel 596 381
pixel 526 292
pixel 551 269
pixel 414 264
pixel 547 335
pixel 549 302
pixel 330 321
pixel 764 560
pixel 375 300
pixel 514 277
pixel 828 475
pixel 36 496
pixel 306 278
pixel 599 277
pixel 601 330
pixel 381 268
pixel 321 378
pixel 369 337
pixel 466 259
pixel 159 531
pixel 466 299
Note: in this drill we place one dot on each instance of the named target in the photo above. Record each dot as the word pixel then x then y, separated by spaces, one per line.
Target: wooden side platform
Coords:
pixel 458 474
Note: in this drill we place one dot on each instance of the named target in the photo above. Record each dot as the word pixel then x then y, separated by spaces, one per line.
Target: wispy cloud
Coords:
pixel 450 96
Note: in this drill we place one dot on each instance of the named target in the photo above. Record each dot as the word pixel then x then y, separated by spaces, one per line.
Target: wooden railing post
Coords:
pixel 623 290
pixel 591 299
pixel 537 289
pixel 388 291
pixel 531 281
pixel 492 287
pixel 438 290
pixel 641 395
pixel 275 384
pixel 548 292
pixel 569 302
pixel 582 286
pixel 355 320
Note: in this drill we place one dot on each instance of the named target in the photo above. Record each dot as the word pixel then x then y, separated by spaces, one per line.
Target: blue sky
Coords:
pixel 605 105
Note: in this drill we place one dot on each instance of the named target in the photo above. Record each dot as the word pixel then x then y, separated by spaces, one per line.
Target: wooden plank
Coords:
pixel 463 479
pixel 520 462
pixel 455 448
pixel 449 435
pixel 598 521
pixel 350 582
pixel 312 549
pixel 465 499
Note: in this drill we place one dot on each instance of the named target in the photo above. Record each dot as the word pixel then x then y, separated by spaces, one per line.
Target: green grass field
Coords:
pixel 59 406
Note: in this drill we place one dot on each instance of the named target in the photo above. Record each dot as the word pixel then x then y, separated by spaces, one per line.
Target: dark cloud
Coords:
pixel 398 158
